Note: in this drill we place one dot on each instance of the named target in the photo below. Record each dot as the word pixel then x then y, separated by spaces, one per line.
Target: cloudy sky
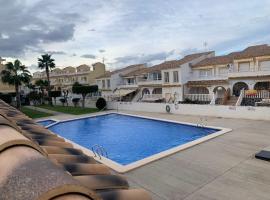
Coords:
pixel 127 32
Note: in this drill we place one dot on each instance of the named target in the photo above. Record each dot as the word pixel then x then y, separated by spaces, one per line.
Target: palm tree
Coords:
pixel 47 63
pixel 42 84
pixel 16 74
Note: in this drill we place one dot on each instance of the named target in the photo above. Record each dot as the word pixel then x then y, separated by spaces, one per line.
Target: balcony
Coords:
pixel 149 82
pixel 235 73
pixel 127 85
pixel 196 77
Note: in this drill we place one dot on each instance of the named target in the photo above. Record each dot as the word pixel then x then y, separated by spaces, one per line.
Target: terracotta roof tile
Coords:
pixel 254 51
pixel 29 174
pixel 249 52
pixel 168 64
pixel 130 67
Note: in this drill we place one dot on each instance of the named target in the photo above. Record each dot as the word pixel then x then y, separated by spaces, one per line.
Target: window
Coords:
pixel 130 81
pixel 223 70
pixel 243 67
pixel 84 79
pixel 175 77
pixel 103 83
pixel 264 65
pixel 205 72
pixel 166 77
pixel 156 76
pixel 108 83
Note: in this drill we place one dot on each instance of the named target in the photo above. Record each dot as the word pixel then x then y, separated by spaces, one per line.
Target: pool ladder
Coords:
pixel 99 151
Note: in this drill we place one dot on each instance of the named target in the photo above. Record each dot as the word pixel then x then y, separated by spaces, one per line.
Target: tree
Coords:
pixel 47 63
pixel 42 84
pixel 16 74
pixel 55 94
pixel 84 90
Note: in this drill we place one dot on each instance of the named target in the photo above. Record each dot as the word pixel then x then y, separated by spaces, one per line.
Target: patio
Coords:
pixel 222 168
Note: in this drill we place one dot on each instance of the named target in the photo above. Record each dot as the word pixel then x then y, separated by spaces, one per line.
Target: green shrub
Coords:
pixel 63 101
pixel 35 97
pixel 6 98
pixel 84 90
pixel 75 101
pixel 55 94
pixel 101 103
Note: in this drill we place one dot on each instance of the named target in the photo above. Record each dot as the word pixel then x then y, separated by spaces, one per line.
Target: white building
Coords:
pixel 239 77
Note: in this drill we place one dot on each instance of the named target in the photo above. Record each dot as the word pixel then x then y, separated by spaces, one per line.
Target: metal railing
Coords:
pixel 260 94
pixel 99 151
pixel 199 97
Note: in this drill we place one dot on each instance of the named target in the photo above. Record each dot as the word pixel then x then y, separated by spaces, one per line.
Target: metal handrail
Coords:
pixel 99 151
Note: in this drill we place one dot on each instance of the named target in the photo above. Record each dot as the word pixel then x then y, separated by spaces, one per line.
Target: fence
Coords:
pixel 240 112
pixel 199 97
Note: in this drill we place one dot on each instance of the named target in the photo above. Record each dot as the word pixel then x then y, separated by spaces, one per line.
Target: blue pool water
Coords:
pixel 128 139
pixel 46 122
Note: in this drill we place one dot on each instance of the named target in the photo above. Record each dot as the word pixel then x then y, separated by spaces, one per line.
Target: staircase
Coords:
pixel 137 96
pixel 232 101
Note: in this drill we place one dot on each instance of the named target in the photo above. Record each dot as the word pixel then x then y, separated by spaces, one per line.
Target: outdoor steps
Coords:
pixel 232 101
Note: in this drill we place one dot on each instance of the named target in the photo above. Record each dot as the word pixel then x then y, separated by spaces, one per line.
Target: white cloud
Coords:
pixel 130 31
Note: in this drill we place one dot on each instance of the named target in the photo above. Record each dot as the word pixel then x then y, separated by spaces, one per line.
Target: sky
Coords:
pixel 125 32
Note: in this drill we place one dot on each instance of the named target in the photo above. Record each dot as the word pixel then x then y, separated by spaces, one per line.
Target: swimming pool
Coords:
pixel 46 122
pixel 130 139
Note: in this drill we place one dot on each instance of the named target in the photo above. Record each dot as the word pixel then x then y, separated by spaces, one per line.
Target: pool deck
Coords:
pixel 222 168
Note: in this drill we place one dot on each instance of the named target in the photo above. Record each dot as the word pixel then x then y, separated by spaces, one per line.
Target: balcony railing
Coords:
pixel 196 77
pixel 255 72
pixel 258 94
pixel 149 82
pixel 199 97
pixel 127 85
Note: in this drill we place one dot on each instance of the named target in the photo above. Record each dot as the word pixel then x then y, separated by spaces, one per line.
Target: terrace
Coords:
pixel 222 168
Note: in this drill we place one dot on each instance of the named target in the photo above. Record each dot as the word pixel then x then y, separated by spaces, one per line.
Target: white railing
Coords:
pixel 152 96
pixel 196 77
pixel 149 81
pixel 240 98
pixel 199 97
pixel 260 94
pixel 214 98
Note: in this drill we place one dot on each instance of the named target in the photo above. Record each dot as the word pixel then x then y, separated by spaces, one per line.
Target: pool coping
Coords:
pixel 126 168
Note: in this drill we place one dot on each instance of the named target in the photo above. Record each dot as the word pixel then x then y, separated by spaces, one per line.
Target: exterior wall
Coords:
pixel 66 77
pixel 187 70
pixel 238 112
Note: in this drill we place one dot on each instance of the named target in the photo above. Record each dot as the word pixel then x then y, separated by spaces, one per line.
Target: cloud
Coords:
pixel 56 52
pixel 125 29
pixel 91 56
pixel 28 26
pixel 143 58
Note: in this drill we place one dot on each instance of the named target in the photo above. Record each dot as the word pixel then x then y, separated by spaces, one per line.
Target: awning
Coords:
pixel 123 92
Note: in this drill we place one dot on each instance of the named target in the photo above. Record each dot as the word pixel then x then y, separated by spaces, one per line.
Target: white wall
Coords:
pixel 255 113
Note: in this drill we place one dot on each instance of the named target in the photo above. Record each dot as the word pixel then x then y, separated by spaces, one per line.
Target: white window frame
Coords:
pixel 175 76
pixel 267 68
pixel 166 77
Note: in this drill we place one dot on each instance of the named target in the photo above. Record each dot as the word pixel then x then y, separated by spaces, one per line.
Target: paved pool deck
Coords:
pixel 223 168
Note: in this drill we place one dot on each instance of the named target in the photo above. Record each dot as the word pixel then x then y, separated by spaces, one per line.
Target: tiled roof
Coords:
pixel 254 51
pixel 168 64
pixel 37 164
pixel 250 52
pixel 206 82
pixel 108 74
